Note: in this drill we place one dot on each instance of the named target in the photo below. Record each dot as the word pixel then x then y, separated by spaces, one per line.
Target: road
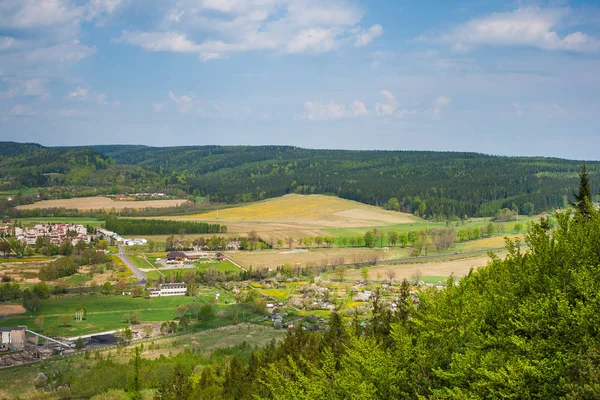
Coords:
pixel 141 277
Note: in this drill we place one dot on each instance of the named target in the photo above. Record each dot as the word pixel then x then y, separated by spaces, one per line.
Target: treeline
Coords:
pixel 124 226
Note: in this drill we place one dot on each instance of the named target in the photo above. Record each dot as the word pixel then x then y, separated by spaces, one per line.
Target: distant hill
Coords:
pixel 434 184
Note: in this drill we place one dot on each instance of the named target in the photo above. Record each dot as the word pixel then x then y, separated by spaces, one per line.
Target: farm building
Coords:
pixel 169 289
pixel 13 338
pixel 176 256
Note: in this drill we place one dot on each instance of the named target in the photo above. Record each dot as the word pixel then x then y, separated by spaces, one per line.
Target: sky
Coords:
pixel 497 77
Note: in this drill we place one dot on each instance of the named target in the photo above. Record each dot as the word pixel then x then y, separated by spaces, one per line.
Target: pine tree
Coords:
pixel 583 199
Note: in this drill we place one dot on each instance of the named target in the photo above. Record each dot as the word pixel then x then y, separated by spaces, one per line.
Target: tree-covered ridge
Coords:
pixel 431 184
pixel 446 183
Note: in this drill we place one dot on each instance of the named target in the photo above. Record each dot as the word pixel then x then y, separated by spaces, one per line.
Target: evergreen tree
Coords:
pixel 583 198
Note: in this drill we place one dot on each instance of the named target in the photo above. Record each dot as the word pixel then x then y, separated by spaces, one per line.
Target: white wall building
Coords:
pixel 169 289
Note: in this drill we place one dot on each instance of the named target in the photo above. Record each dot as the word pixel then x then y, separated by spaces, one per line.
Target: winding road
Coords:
pixel 141 277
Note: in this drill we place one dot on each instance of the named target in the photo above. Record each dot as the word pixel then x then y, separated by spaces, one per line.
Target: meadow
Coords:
pixel 103 312
pixel 30 221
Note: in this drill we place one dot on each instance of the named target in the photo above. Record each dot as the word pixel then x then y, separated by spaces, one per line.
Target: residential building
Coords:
pixel 13 338
pixel 169 289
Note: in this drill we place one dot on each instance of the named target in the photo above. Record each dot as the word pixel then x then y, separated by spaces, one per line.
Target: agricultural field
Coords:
pixel 61 220
pixel 429 272
pixel 100 202
pixel 316 256
pixel 103 313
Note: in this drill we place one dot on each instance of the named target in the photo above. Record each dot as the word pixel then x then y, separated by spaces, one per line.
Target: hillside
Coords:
pixel 311 210
pixel 431 184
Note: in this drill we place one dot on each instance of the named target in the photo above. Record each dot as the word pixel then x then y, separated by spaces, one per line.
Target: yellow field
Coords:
pixel 313 210
pixel 99 202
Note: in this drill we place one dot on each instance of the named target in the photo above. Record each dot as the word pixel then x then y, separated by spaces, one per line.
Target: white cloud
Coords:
pixel 84 94
pixel 364 37
pixel 315 111
pixel 27 87
pixel 391 107
pixel 546 110
pixel 22 110
pixel 161 41
pixel 158 107
pixel 314 40
pixel 439 104
pixel 534 27
pixel 213 29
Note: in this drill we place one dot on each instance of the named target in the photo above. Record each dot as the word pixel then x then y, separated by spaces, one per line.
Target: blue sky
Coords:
pixel 499 77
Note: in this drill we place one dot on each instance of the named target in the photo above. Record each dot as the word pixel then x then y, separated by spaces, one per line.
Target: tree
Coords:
pixel 393 204
pixel 107 288
pixel 80 313
pixel 364 274
pixel 206 313
pixel 64 320
pixel 39 322
pixel 491 229
pixel 148 330
pixel 341 271
pixel 518 227
pixel 79 343
pixel 393 238
pixel 41 290
pixel 329 241
pixel 290 241
pixel 319 240
pixel 369 239
pixel 31 302
pixel 583 198
pixel 279 243
pixel 5 247
pixel 308 241
pixel 391 274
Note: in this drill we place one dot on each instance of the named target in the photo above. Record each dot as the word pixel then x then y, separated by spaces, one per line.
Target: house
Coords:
pixel 13 338
pixel 168 289
pixel 176 256
pixel 221 257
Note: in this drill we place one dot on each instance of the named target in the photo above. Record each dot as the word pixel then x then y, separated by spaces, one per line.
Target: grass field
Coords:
pixel 99 202
pixel 62 220
pixel 103 312
pixel 221 266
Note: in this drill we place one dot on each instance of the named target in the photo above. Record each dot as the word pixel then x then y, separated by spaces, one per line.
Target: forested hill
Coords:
pixel 437 182
pixel 424 182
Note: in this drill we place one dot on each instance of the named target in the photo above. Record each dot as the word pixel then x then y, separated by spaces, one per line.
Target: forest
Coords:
pixel 426 183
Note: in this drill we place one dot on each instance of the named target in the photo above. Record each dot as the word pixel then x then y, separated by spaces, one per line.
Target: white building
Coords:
pixel 169 289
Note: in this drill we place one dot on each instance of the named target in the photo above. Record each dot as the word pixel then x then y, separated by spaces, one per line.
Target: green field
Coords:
pixel 509 227
pixel 61 220
pixel 104 312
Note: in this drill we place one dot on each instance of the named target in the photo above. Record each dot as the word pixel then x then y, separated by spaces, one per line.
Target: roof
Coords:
pixel 12 328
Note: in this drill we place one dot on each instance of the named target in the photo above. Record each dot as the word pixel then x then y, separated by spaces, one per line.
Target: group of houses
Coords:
pixel 119 239
pixel 57 233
